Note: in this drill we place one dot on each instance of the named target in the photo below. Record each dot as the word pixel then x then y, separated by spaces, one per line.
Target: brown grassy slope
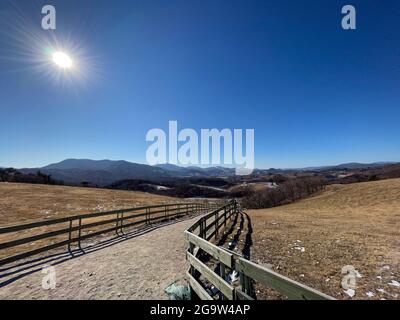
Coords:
pixel 356 224
pixel 21 202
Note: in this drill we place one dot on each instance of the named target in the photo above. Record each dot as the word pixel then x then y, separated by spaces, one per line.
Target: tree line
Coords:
pixel 13 175
pixel 285 193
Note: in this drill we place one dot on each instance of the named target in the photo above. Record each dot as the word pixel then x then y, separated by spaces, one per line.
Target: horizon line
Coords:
pixel 211 166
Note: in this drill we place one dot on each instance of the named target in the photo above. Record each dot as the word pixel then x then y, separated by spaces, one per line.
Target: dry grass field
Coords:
pixel 21 202
pixel 311 240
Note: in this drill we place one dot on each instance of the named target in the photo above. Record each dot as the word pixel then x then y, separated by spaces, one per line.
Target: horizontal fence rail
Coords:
pixel 199 246
pixel 73 227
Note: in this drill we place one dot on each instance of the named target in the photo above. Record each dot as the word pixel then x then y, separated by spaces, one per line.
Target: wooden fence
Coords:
pixel 198 237
pixel 74 229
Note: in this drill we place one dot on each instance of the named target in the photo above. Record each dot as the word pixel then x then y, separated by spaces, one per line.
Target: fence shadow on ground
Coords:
pixel 248 242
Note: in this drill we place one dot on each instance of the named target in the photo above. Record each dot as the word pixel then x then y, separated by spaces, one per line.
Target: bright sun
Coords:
pixel 62 60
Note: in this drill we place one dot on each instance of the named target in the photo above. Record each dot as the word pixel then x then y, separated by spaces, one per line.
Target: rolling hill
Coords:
pixel 22 202
pixel 312 239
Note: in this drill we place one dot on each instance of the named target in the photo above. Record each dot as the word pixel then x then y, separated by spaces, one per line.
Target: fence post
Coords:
pixel 79 233
pixel 243 282
pixel 216 224
pixel 70 235
pixel 204 229
pixel 116 223
pixel 191 250
pixel 222 270
pixel 225 216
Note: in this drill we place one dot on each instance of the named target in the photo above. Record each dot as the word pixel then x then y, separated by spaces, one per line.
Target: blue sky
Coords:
pixel 314 93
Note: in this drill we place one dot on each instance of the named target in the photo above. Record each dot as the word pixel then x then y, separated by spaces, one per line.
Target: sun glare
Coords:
pixel 62 60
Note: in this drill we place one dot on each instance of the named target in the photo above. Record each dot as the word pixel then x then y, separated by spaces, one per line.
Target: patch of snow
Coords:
pixel 233 277
pixel 302 249
pixel 350 292
pixel 370 294
pixel 162 188
pixel 394 283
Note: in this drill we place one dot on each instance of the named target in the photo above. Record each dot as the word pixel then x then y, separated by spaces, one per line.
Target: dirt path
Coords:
pixel 137 268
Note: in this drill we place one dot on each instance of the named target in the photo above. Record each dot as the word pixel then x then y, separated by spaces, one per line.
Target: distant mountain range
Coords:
pixel 100 172
pixel 348 166
pixel 105 172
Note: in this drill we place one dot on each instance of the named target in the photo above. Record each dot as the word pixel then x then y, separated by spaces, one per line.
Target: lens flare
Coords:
pixel 62 60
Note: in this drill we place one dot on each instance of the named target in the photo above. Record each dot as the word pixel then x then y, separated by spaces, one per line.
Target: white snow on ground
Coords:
pixel 233 277
pixel 350 292
pixel 297 246
pixel 394 283
pixel 162 188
